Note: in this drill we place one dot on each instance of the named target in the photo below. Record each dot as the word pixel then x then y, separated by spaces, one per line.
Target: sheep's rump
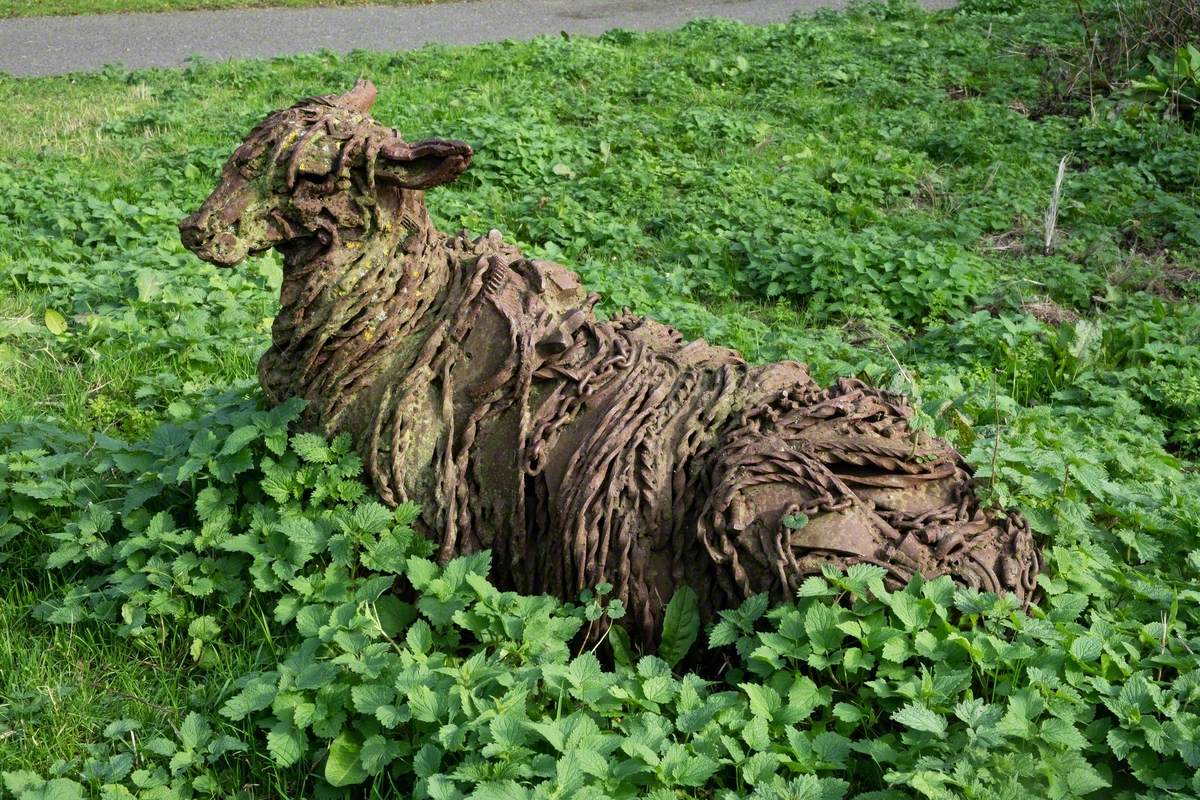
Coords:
pixel 581 450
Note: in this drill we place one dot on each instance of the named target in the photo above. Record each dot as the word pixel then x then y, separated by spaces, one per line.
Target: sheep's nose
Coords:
pixel 191 237
pixel 195 220
pixel 193 230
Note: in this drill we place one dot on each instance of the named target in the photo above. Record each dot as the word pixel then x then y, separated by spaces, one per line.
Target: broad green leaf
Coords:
pixel 377 753
pixel 370 696
pixel 820 623
pixel 285 743
pixel 764 701
pixel 194 731
pixel 681 625
pixel 61 789
pixel 343 766
pixel 920 718
pixel 831 747
pixel 1063 734
pixel 1086 648
pixel 759 767
pixel 238 439
pixel 427 761
pixel 847 712
pixel 1084 780
pixel 256 696
pixel 56 323
pixel 622 649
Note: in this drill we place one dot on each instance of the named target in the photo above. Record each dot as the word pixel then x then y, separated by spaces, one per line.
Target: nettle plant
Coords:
pixel 425 680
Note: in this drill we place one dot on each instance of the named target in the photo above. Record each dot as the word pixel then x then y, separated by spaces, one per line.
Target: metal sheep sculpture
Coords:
pixel 480 384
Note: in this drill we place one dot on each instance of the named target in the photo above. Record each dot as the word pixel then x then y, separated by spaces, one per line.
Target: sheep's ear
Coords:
pixel 422 165
pixel 360 98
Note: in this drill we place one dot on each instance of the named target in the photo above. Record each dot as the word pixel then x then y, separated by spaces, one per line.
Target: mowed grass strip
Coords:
pixel 58 8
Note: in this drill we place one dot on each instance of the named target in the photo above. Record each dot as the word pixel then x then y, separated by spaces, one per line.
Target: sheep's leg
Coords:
pixel 838 477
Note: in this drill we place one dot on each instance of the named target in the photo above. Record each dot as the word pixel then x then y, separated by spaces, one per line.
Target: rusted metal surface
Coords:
pixel 480 384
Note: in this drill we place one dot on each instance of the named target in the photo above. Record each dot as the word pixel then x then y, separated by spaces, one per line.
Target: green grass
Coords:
pixel 58 8
pixel 67 688
pixel 863 192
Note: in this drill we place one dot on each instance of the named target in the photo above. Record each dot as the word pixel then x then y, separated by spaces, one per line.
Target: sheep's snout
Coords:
pixel 214 245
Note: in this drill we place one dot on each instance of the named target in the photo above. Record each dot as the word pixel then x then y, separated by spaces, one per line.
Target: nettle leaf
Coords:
pixel 204 628
pixel 421 572
pixel 508 731
pixel 831 747
pixel 764 701
pixel 861 578
pixel 920 718
pixel 1086 649
pixel 369 697
pixel 682 769
pixel 1084 779
pixel 255 696
pixel 310 619
pixel 847 712
pixel 940 591
pixel 1062 733
pixel 896 649
pixel 118 728
pixel 57 789
pixel 659 689
pixel 820 623
pixel 372 518
pixel 377 752
pixel 286 743
pixel 754 607
pixel 427 761
pixel 317 675
pixel 722 634
pixel 756 734
pixel 815 586
pixel 911 612
pixel 426 705
pixel 760 767
pixel 805 696
pixel 312 448
pixel 593 763
pixel 239 439
pixel 304 534
pixel 194 731
pixel 500 790
pixel 419 636
pixel 390 716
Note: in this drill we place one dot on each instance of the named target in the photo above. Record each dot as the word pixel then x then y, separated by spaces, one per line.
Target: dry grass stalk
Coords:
pixel 1052 211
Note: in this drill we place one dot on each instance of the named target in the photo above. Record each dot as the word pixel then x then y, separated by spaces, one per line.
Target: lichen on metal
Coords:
pixel 481 384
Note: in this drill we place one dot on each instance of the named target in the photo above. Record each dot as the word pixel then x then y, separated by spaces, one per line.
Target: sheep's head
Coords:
pixel 310 172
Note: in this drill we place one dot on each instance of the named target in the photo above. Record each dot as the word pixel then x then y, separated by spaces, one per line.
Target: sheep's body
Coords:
pixel 581 451
pixel 481 385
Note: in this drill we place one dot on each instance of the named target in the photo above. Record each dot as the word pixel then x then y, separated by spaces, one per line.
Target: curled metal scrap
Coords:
pixel 482 385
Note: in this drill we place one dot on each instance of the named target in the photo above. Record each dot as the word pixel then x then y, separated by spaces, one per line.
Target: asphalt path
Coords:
pixel 58 45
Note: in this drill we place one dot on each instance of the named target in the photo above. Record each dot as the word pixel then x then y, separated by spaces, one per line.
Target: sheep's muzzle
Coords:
pixel 220 248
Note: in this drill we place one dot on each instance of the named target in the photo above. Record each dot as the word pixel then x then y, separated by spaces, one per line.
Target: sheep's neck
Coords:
pixel 348 308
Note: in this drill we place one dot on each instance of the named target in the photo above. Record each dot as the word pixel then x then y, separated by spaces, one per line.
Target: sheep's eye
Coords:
pixel 247 168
